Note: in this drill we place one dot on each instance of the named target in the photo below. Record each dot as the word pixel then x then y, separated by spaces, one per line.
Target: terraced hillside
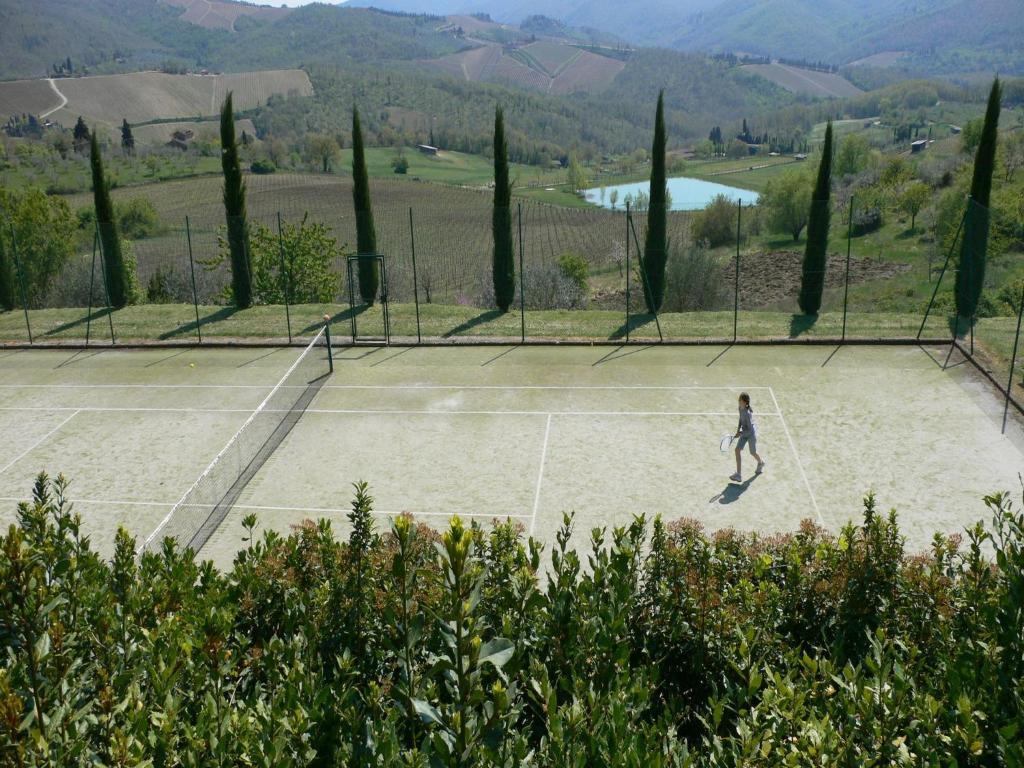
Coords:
pixel 545 65
pixel 145 96
pixel 213 14
pixel 805 81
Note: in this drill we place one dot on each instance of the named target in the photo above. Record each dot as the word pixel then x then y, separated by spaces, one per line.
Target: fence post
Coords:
pixel 627 271
pixel 415 278
pixel 92 280
pixel 192 271
pixel 736 279
pixel 522 282
pixel 287 277
pixel 21 282
pixel 939 282
pixel 846 286
pixel 648 293
pixel 106 288
pixel 327 336
pixel 1013 359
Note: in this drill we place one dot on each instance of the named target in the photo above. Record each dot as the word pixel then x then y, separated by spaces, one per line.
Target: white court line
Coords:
pixel 36 444
pixel 540 475
pixel 796 455
pixel 376 511
pixel 377 411
pixel 257 507
pixel 627 388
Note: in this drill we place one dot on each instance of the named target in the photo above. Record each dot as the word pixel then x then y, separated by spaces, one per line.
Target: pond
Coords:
pixel 687 194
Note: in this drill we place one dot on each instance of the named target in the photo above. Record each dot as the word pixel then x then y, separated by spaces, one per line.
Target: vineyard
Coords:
pixel 451 225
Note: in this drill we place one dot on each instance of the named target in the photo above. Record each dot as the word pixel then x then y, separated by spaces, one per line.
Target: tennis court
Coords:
pixel 521 432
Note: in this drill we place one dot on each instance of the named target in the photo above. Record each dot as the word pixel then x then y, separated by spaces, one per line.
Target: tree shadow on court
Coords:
pixel 482 319
pixel 733 491
pixel 799 324
pixel 95 317
pixel 337 317
pixel 635 323
pixel 190 328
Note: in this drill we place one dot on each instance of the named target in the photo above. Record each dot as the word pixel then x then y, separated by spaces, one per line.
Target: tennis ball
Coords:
pixel 191 365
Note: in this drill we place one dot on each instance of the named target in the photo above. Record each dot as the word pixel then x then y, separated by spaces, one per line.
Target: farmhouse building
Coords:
pixel 426 149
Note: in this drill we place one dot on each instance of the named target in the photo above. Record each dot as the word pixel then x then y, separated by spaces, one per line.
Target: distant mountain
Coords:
pixel 944 35
pixel 108 36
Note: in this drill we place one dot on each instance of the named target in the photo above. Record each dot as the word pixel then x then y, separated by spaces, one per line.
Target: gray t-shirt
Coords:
pixel 746 425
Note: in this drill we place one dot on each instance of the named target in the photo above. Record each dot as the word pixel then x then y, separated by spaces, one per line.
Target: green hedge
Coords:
pixel 659 645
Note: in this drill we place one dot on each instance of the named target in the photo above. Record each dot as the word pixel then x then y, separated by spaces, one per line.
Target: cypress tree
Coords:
pixel 504 270
pixel 80 135
pixel 366 235
pixel 234 208
pixel 118 287
pixel 6 278
pixel 974 246
pixel 812 281
pixel 127 139
pixel 656 245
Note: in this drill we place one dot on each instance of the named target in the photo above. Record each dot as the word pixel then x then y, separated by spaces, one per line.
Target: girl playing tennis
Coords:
pixel 747 434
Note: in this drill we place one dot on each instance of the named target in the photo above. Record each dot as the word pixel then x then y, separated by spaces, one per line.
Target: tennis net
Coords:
pixel 204 506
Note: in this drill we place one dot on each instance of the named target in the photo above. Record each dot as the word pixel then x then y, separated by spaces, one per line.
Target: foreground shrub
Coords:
pixel 668 647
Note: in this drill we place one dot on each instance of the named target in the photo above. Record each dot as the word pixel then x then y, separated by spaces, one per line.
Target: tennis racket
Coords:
pixel 726 441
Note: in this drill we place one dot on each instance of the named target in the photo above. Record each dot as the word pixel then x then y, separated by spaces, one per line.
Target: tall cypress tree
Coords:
pixel 366 234
pixel 127 138
pixel 656 243
pixel 504 269
pixel 974 246
pixel 234 208
pixel 812 282
pixel 6 278
pixel 118 287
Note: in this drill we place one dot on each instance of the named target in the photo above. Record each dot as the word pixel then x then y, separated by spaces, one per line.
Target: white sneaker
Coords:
pixel 760 467
pixel 736 477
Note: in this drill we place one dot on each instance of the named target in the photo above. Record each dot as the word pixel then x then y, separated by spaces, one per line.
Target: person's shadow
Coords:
pixel 733 491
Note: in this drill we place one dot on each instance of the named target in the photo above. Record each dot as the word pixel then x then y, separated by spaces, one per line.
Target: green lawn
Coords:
pixel 177 322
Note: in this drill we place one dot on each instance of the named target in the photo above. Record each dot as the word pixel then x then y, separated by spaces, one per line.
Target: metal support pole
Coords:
pixel 327 335
pixel 939 281
pixel 846 286
pixel 92 280
pixel 627 271
pixel 351 298
pixel 106 289
pixel 286 274
pixel 385 300
pixel 415 278
pixel 736 280
pixel 21 282
pixel 1013 359
pixel 192 270
pixel 522 282
pixel 644 278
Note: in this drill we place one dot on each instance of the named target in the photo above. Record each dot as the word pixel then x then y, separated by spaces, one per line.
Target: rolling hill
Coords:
pixel 112 36
pixel 946 35
pixel 805 81
pixel 545 65
pixel 143 97
pixel 217 14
